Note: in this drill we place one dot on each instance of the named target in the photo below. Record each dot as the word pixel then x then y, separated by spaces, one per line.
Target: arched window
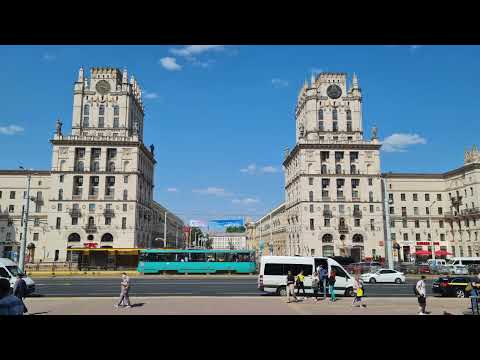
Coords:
pixel 352 169
pixel 320 114
pixel 334 114
pixel 327 238
pixel 73 237
pixel 324 169
pixel 342 222
pixel 349 115
pixel 338 169
pixel 327 250
pixel 107 237
pixel 60 194
pixel 357 238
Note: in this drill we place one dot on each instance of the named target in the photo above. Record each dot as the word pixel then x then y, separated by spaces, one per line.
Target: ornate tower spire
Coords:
pixel 355 82
pixel 80 74
pixel 125 76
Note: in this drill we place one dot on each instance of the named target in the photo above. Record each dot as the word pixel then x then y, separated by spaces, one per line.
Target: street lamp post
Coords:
pixel 388 239
pixel 23 244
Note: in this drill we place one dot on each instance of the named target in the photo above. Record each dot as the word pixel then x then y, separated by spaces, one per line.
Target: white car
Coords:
pixel 384 276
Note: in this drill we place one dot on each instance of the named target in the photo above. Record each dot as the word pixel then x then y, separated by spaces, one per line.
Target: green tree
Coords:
pixel 235 229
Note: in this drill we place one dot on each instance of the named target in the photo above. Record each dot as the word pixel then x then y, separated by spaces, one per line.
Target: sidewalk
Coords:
pixel 118 274
pixel 263 305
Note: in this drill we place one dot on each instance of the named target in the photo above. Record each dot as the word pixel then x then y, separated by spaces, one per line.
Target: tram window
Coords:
pixel 197 257
pixel 244 257
pixel 210 257
pixel 166 257
pixel 221 257
pixel 182 257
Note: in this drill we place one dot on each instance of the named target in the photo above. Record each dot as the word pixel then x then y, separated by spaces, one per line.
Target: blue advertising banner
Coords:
pixel 221 225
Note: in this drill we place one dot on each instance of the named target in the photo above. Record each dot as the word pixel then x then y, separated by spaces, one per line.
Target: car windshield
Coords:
pixel 14 270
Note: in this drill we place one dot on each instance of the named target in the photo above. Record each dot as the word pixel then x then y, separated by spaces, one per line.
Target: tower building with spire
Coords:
pixel 333 201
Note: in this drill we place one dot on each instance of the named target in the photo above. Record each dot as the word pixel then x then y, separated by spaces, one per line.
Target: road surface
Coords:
pixel 151 286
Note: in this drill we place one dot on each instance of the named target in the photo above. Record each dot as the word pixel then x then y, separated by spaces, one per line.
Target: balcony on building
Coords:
pixel 357 213
pixel 75 212
pixel 342 228
pixel 90 229
pixel 327 213
pixel 109 213
pixel 77 195
pixel 93 194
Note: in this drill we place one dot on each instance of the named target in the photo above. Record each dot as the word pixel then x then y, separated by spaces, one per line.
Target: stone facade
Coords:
pixel 228 241
pixel 268 234
pixel 333 194
pixel 99 191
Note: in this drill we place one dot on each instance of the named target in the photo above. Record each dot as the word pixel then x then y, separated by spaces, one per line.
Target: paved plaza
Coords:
pixel 198 305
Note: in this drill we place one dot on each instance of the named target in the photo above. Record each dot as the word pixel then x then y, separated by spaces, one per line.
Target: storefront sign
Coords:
pixel 427 243
pixel 91 245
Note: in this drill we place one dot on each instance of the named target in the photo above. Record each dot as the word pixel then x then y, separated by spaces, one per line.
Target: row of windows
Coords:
pixel 414 197
pixel 415 211
pixel 342 224
pixel 334 114
pixel 418 237
pixel 326 182
pixel 91 222
pixel 196 257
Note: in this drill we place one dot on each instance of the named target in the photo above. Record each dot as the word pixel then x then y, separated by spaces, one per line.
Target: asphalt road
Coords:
pixel 108 287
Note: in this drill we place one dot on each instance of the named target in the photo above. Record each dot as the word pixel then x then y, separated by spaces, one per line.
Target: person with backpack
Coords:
pixel 290 286
pixel 421 292
pixel 300 280
pixel 331 284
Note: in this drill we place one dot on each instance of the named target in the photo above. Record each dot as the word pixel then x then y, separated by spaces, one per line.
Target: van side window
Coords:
pixel 321 262
pixel 273 269
pixel 4 273
pixel 339 272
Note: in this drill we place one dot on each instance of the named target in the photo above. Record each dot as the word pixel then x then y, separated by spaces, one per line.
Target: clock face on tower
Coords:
pixel 334 91
pixel 103 87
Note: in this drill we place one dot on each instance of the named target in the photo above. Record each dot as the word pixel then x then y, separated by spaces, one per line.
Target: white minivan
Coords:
pixel 274 269
pixel 9 270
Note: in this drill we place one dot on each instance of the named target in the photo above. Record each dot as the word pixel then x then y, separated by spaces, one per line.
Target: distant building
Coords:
pixel 229 241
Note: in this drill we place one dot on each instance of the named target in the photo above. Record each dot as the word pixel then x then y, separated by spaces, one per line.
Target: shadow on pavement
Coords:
pixel 35 295
pixel 138 305
pixel 40 313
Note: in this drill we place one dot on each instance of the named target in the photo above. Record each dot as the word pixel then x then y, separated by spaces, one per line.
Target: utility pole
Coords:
pixel 433 243
pixel 23 244
pixel 388 239
pixel 271 235
pixel 165 230
pixel 176 237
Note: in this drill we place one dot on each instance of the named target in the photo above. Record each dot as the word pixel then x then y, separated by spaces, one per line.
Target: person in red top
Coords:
pixel 331 284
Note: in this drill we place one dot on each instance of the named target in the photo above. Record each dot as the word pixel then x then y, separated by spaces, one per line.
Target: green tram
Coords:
pixel 197 261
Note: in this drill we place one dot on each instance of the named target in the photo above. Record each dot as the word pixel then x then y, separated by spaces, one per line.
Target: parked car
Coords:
pixel 9 270
pixel 384 276
pixel 452 286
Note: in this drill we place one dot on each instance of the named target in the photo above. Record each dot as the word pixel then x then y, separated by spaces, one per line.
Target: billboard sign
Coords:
pixel 198 223
pixel 221 225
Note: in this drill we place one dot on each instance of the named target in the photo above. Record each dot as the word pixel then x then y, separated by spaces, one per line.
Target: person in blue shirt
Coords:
pixel 9 304
pixel 323 275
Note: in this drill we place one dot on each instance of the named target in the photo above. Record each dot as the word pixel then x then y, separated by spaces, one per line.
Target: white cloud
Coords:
pixel 49 57
pixel 250 169
pixel 398 142
pixel 11 130
pixel 269 169
pixel 212 191
pixel 150 95
pixel 245 201
pixel 191 50
pixel 172 190
pixel 279 83
pixel 170 63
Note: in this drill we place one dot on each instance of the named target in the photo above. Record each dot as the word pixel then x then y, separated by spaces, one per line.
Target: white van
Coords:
pixel 274 269
pixel 9 270
pixel 464 261
pixel 436 262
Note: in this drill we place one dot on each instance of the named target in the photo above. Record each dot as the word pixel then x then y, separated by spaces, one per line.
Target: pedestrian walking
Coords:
pixel 358 292
pixel 331 284
pixel 20 289
pixel 421 293
pixel 315 285
pixel 9 303
pixel 291 286
pixel 473 288
pixel 300 285
pixel 323 275
pixel 124 292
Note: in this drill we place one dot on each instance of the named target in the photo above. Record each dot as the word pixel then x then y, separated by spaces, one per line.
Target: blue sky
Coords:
pixel 220 117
